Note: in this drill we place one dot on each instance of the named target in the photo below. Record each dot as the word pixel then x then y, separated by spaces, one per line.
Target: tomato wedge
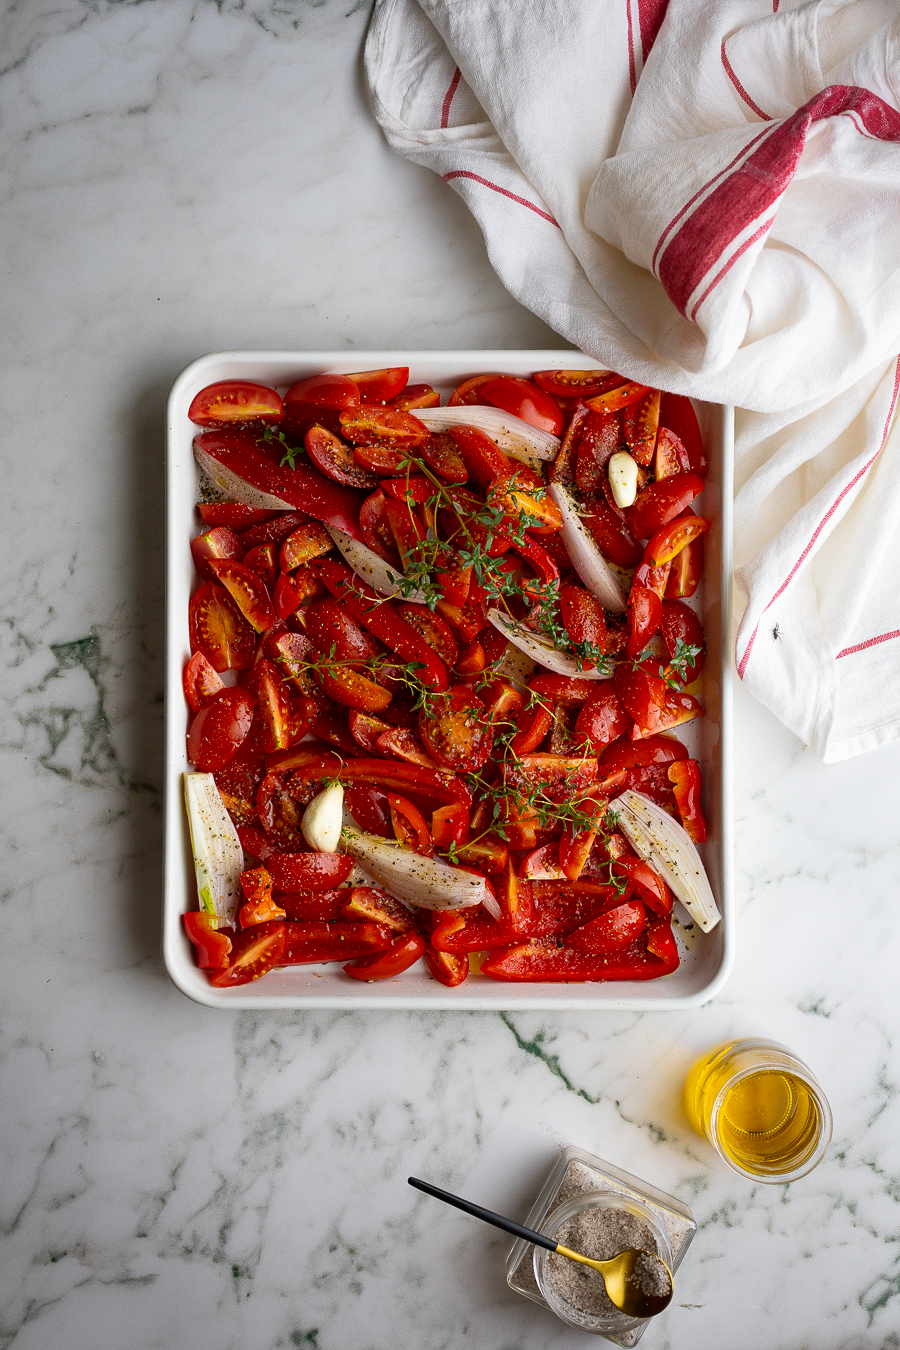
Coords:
pixel 334 458
pixel 254 952
pixel 219 630
pixel 219 542
pixel 235 401
pixel 367 425
pixel 466 394
pixel 323 391
pixel 219 729
pixel 201 682
pixel 668 542
pixel 679 623
pixel 416 396
pixel 445 967
pixel 602 719
pixel 247 590
pixel 455 730
pixel 379 385
pixel 576 383
pixel 409 825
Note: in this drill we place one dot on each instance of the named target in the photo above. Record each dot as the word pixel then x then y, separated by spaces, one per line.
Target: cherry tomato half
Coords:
pixel 379 385
pixel 455 730
pixel 323 391
pixel 576 383
pixel 219 729
pixel 219 630
pixel 523 399
pixel 201 682
pixel 235 401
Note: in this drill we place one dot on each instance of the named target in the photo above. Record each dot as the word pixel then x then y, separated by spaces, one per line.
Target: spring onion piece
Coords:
pixel 587 559
pixel 516 438
pixel 426 882
pixel 236 487
pixel 373 570
pixel 542 651
pixel 322 819
pixel 666 845
pixel 218 856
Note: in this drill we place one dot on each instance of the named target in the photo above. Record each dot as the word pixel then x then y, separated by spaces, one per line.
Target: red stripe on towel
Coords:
pixel 485 182
pixel 448 99
pixel 742 666
pixel 870 642
pixel 729 71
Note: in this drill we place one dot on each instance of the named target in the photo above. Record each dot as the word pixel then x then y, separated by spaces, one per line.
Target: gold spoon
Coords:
pixel 626 1275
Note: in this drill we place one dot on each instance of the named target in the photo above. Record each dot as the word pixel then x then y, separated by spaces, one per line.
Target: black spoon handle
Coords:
pixel 517 1229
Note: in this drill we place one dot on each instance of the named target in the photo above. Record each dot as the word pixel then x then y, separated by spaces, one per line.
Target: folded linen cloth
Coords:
pixel 704 195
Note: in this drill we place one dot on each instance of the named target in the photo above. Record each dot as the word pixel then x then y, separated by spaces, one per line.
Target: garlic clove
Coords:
pixel 623 477
pixel 322 819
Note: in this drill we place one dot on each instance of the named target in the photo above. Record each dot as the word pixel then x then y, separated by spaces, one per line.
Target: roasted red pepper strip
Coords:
pixel 684 775
pixel 303 487
pixel 381 618
pixel 213 947
pixel 402 954
pixel 543 960
pixel 309 943
pixel 440 789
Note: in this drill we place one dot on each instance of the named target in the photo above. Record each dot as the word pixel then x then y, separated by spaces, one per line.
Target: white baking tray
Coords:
pixel 707 959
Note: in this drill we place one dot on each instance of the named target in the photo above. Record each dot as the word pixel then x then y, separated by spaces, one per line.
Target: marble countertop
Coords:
pixel 180 178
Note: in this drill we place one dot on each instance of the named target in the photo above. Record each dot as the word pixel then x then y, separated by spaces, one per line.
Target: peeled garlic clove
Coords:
pixel 623 476
pixel 322 819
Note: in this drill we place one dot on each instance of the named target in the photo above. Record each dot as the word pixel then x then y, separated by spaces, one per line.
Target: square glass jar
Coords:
pixel 579 1175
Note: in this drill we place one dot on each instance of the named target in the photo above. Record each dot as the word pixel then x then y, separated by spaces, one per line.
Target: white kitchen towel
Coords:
pixel 705 195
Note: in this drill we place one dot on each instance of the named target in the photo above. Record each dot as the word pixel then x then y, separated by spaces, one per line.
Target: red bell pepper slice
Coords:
pixel 450 826
pixel 311 765
pixel 602 719
pixel 543 960
pixel 668 542
pixel 274 531
pixel 310 943
pixel 627 754
pixel 611 932
pixel 445 967
pixel 303 487
pixel 233 514
pixel 404 952
pixel 381 618
pixel 647 883
pixel 684 775
pixel 661 943
pixel 308 871
pixel 534 724
pixel 575 845
pixel 213 947
pixel 321 906
pixel 564 689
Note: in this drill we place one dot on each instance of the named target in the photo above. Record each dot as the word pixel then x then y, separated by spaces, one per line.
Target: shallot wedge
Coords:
pixel 218 856
pixel 587 559
pixel 426 882
pixel 666 845
pixel 518 439
pixel 372 569
pixel 541 652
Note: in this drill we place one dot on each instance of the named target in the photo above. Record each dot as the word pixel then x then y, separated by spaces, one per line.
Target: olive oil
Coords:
pixel 760 1108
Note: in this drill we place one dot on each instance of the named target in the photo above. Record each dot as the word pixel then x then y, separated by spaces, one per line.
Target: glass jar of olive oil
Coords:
pixel 761 1109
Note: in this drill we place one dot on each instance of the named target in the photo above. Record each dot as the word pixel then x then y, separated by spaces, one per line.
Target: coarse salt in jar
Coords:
pixel 596 1209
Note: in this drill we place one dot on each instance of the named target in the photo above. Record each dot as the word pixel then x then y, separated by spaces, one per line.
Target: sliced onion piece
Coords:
pixel 218 856
pixel 587 559
pixel 236 487
pixel 370 568
pixel 516 666
pixel 541 652
pixel 666 845
pixel 426 882
pixel 516 438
